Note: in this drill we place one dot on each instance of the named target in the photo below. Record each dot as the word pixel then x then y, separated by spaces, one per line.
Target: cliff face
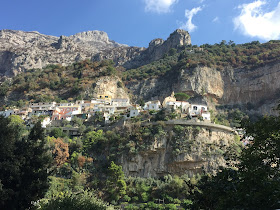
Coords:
pixel 190 150
pixel 109 86
pixel 259 86
pixel 21 50
pixel 133 57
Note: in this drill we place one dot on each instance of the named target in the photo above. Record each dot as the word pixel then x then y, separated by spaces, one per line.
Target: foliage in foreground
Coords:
pixel 256 183
pixel 24 161
pixel 85 200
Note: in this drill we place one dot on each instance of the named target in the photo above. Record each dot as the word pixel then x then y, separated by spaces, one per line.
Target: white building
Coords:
pixel 206 116
pixel 43 106
pixel 46 122
pixel 134 110
pixel 120 102
pixel 182 105
pixel 152 105
pixel 9 112
pixel 65 104
pixel 108 109
pixel 196 110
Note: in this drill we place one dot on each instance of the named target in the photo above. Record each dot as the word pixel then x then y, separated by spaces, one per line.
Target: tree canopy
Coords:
pixel 24 163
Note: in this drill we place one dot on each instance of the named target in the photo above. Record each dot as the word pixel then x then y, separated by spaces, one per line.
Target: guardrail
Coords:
pixel 192 123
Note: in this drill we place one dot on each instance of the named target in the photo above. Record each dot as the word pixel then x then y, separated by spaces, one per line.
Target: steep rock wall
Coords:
pixel 27 50
pixel 109 86
pixel 258 86
pixel 192 151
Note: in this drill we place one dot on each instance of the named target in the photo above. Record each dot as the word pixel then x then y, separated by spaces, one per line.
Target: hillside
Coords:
pixel 223 74
pixel 196 143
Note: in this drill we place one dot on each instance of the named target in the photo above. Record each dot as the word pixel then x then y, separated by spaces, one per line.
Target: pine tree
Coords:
pixel 24 165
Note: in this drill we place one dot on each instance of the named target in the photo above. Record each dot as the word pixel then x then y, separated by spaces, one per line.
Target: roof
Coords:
pixel 120 99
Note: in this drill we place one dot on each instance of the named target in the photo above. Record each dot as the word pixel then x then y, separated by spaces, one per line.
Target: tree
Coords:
pixel 259 172
pixel 91 138
pixel 181 96
pixel 256 182
pixel 24 163
pixel 57 132
pixel 71 201
pixel 116 185
pixel 60 152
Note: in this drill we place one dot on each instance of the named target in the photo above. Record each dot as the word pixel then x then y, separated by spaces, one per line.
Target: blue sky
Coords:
pixel 137 22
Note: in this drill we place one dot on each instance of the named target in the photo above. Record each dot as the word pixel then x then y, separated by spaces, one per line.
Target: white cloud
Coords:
pixel 255 22
pixel 159 6
pixel 189 26
pixel 216 20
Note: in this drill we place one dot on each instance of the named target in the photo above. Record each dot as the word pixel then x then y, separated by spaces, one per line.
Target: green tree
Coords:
pixel 85 200
pixel 57 133
pixel 24 163
pixel 116 185
pixel 181 96
pixel 259 172
pixel 256 182
pixel 93 142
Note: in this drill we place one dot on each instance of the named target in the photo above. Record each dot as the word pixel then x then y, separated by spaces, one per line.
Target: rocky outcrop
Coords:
pixel 109 86
pixel 129 57
pixel 257 87
pixel 21 50
pixel 196 150
pixel 132 57
pixel 158 47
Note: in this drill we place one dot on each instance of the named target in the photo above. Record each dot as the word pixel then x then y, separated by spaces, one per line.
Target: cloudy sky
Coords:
pixel 137 22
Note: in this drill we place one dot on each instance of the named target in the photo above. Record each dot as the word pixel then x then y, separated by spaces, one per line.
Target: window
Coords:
pixel 106 96
pixel 195 108
pixel 100 96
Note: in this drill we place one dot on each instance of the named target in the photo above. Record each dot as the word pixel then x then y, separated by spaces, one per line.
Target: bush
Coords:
pixel 85 200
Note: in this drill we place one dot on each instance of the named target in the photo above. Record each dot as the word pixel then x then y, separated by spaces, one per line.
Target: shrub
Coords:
pixel 85 200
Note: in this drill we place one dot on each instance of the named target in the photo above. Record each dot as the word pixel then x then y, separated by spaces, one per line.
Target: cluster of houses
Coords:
pixel 107 106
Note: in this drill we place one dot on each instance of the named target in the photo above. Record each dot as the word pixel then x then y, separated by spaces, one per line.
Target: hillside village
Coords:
pixel 108 107
pixel 85 119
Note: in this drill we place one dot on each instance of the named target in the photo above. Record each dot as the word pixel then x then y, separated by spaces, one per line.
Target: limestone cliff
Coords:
pixel 21 50
pixel 182 150
pixel 110 86
pixel 259 86
pixel 132 57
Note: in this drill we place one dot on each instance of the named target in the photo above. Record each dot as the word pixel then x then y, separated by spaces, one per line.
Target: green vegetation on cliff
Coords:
pixel 85 170
pixel 57 82
pixel 217 56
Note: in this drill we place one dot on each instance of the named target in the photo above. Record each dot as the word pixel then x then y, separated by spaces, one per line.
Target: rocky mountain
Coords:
pixel 133 57
pixel 21 50
pixel 220 74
